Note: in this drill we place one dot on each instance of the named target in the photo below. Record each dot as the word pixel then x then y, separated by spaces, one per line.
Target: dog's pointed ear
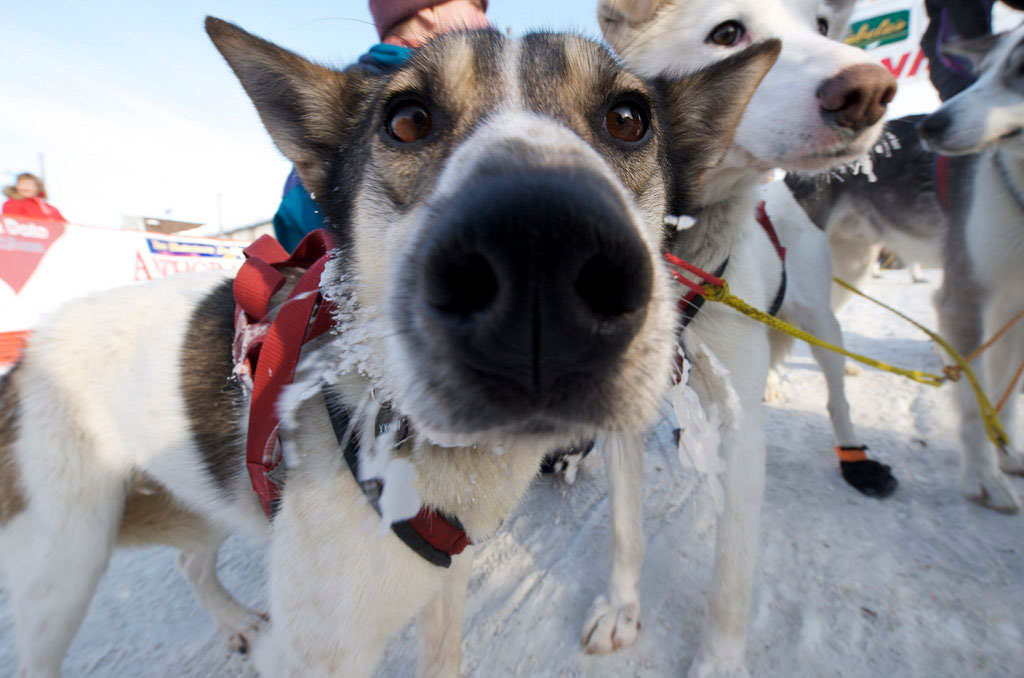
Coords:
pixel 703 110
pixel 305 107
pixel 974 50
pixel 615 16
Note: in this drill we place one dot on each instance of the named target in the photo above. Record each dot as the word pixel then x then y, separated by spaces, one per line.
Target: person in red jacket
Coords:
pixel 28 199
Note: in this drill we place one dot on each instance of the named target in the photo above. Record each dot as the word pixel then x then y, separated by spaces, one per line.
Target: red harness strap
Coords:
pixel 766 223
pixel 273 354
pixel 693 300
pixel 270 350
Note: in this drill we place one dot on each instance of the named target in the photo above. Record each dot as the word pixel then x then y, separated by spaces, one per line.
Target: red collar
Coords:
pixel 266 353
pixel 766 223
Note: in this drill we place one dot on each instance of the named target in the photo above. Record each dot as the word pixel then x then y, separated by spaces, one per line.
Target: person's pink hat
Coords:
pixel 387 13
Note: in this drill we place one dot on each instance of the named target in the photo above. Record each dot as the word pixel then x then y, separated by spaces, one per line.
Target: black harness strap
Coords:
pixel 780 296
pixel 373 488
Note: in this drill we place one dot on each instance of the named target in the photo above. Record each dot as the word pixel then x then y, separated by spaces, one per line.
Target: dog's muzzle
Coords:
pixel 530 287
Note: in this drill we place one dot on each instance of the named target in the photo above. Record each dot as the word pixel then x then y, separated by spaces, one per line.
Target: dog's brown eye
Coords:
pixel 823 26
pixel 625 121
pixel 726 34
pixel 409 122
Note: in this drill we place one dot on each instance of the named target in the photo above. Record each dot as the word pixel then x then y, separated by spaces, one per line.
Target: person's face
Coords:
pixel 27 188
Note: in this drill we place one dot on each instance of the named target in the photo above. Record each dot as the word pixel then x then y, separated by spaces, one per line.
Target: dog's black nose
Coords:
pixel 857 97
pixel 533 283
pixel 934 126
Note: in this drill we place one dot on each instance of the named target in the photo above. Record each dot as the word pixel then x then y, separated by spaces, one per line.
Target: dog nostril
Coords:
pixel 608 288
pixel 463 286
pixel 857 97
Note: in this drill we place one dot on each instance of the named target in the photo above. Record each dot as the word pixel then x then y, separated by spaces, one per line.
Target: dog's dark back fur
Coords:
pixel 904 192
pixel 212 397
pixel 12 498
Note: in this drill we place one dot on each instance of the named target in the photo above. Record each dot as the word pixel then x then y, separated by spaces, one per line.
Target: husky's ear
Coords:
pixel 306 108
pixel 702 111
pixel 974 50
pixel 614 16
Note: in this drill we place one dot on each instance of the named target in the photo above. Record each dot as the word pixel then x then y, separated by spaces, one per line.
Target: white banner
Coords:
pixel 891 31
pixel 45 264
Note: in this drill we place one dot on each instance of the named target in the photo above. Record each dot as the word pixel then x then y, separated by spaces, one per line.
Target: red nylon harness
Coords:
pixel 766 223
pixel 690 302
pixel 269 350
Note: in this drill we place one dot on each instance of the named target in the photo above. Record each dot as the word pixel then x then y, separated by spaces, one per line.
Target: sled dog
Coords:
pixel 983 285
pixel 819 107
pixel 497 208
pixel 903 208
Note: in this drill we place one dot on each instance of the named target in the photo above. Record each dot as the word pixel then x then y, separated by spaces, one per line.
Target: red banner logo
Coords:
pixel 23 242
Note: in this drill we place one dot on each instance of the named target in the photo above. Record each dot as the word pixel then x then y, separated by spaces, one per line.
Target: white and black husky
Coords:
pixel 498 206
pixel 819 107
pixel 983 284
pixel 901 206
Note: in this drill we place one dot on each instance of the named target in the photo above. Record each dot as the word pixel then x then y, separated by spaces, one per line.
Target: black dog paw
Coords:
pixel 870 477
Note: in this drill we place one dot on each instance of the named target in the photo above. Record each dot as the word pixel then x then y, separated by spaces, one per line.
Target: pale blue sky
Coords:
pixel 135 112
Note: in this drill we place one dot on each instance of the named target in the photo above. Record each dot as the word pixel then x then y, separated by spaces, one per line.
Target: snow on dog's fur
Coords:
pixel 983 285
pixel 819 107
pixel 496 202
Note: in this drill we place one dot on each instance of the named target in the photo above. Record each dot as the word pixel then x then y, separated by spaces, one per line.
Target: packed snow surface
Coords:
pixel 920 584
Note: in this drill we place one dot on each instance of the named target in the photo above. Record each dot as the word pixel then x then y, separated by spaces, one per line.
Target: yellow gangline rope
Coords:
pixel 988 413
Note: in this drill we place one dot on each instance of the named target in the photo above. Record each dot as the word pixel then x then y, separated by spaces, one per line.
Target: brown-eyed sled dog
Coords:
pixel 498 207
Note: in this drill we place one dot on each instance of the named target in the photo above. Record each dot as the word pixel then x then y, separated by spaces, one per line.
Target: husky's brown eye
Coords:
pixel 626 121
pixel 408 122
pixel 823 26
pixel 726 34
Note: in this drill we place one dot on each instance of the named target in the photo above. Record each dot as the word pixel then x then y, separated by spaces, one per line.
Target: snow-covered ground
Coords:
pixel 920 584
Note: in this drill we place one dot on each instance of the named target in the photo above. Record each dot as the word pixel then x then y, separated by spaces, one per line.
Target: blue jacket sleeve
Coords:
pixel 296 216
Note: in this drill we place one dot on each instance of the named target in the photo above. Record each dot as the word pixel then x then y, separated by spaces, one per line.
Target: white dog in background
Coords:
pixel 819 107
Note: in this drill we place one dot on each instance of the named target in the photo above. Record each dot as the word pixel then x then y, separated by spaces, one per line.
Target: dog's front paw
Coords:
pixel 869 477
pixel 852 369
pixel 991 490
pixel 717 669
pixel 610 627
pixel 244 634
pixel 772 387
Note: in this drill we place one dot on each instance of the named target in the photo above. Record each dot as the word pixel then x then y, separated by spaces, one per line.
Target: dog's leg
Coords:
pixel 237 623
pixel 981 480
pixel 53 563
pixel 1001 362
pixel 866 476
pixel 614 620
pixel 440 623
pixel 723 643
pixel 917 273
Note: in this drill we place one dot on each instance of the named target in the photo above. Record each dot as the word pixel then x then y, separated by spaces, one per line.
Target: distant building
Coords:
pixel 248 232
pixel 245 233
pixel 155 225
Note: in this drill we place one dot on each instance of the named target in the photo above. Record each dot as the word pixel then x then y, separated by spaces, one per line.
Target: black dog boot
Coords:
pixel 869 477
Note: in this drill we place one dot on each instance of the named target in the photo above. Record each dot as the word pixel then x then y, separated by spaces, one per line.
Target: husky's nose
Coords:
pixel 857 97
pixel 932 128
pixel 534 282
